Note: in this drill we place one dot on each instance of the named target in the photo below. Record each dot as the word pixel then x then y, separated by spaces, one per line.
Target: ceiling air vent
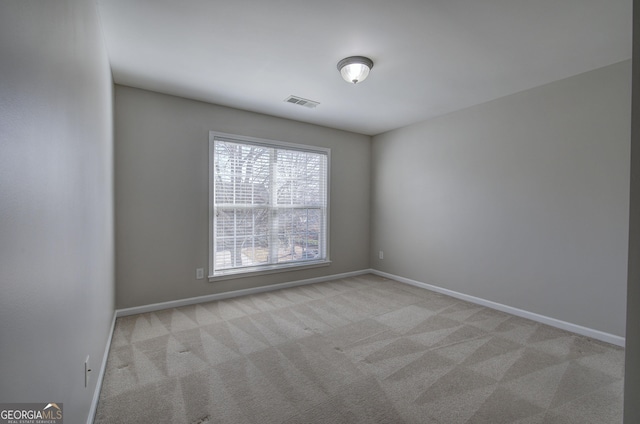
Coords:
pixel 301 102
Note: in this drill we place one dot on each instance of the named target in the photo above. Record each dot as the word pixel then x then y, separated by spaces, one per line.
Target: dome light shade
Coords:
pixel 355 69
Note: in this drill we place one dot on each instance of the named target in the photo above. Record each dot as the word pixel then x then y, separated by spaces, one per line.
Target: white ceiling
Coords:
pixel 431 57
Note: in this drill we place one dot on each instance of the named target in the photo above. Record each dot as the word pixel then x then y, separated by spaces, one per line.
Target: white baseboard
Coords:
pixel 103 367
pixel 574 328
pixel 230 294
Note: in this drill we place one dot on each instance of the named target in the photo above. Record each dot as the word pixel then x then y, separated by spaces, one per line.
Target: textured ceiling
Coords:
pixel 431 57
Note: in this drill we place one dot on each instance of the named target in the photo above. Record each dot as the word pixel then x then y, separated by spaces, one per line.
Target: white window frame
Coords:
pixel 269 268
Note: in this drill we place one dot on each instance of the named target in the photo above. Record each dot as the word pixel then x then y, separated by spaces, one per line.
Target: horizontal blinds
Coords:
pixel 250 174
pixel 269 204
pixel 242 174
pixel 300 178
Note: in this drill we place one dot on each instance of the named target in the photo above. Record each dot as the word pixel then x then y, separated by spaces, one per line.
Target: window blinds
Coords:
pixel 269 205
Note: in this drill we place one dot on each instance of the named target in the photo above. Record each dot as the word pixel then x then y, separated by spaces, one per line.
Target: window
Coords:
pixel 268 203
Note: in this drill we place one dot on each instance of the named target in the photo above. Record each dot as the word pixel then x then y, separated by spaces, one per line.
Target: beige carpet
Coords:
pixel 358 350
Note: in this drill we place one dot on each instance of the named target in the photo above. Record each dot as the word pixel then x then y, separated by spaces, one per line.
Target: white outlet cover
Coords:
pixel 87 370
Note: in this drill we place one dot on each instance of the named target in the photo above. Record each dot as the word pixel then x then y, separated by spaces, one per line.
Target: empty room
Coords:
pixel 318 212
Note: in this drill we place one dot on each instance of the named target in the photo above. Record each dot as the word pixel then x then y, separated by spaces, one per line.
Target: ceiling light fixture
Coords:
pixel 355 69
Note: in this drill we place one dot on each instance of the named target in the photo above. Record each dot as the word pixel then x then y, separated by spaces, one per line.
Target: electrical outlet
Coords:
pixel 87 371
pixel 200 273
pixel 381 255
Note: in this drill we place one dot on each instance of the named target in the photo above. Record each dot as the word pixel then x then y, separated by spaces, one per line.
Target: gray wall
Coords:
pixel 56 202
pixel 522 201
pixel 632 362
pixel 161 168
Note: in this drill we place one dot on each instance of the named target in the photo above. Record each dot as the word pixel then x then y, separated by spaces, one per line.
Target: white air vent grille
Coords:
pixel 302 102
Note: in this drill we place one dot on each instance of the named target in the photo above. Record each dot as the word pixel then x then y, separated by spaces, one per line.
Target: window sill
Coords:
pixel 256 273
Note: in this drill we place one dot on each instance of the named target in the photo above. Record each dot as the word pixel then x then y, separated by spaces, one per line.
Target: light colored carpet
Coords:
pixel 357 350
